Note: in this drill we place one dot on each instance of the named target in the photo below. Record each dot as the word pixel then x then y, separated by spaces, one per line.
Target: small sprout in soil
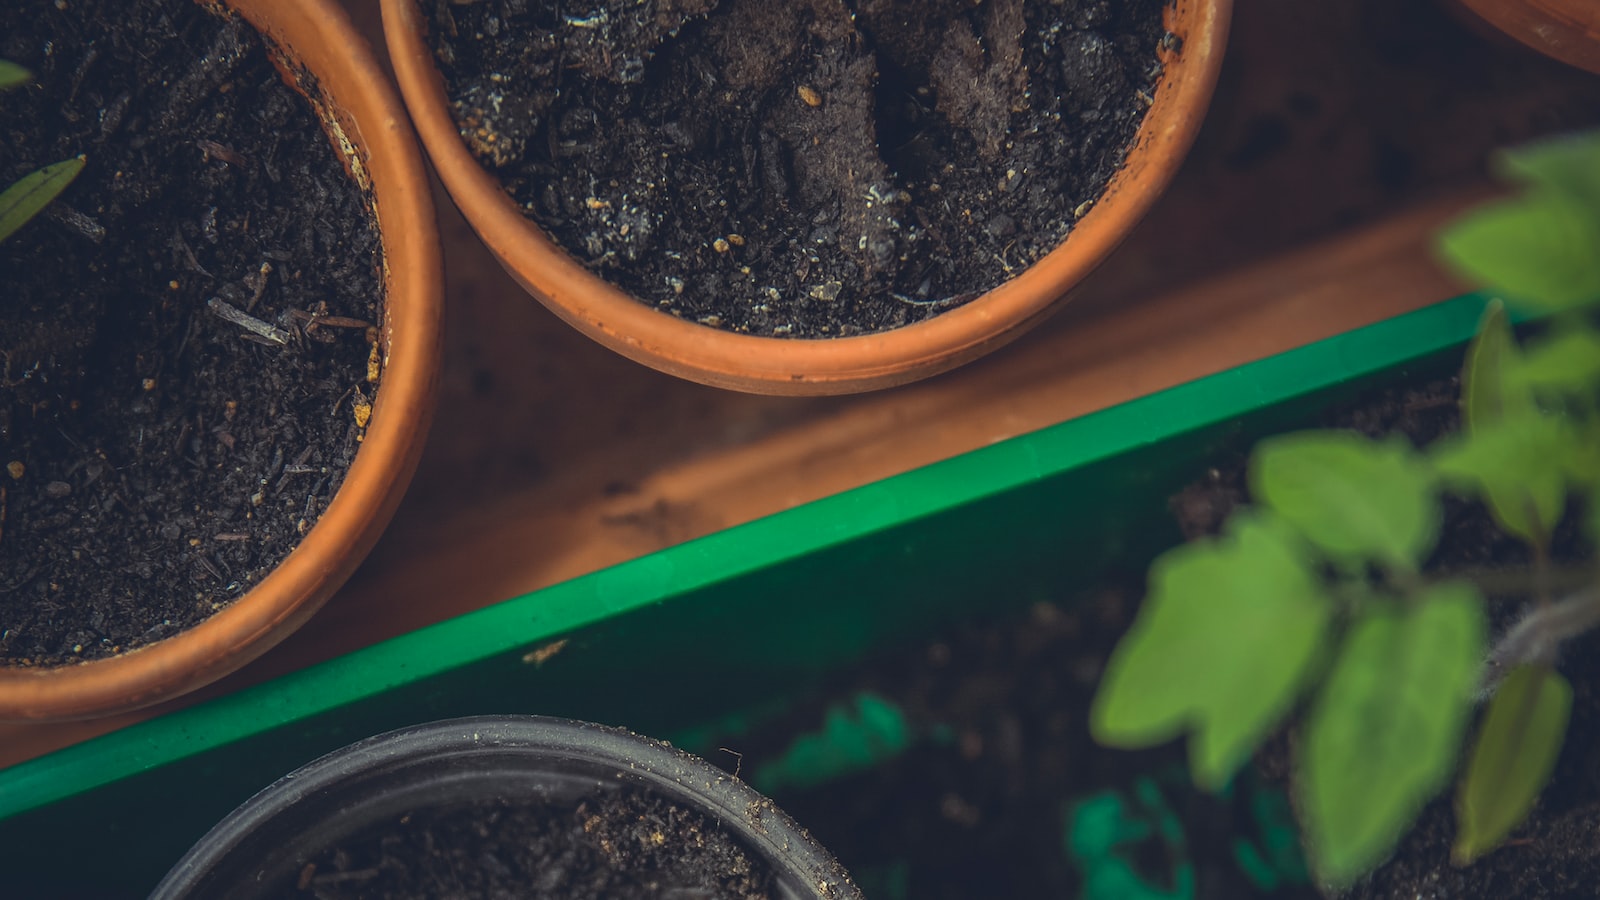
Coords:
pixel 13 75
pixel 30 194
pixel 1319 590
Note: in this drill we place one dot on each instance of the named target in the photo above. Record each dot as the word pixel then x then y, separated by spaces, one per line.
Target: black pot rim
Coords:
pixel 340 780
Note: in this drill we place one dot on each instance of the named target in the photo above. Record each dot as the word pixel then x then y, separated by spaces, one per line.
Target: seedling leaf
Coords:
pixel 1567 164
pixel 1487 392
pixel 1519 466
pixel 1566 363
pixel 1226 637
pixel 1511 759
pixel 33 192
pixel 1356 499
pixel 1539 249
pixel 13 75
pixel 1384 733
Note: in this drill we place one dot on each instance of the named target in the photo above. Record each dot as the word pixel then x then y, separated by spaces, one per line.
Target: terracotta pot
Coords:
pixel 831 366
pixel 1567 30
pixel 366 118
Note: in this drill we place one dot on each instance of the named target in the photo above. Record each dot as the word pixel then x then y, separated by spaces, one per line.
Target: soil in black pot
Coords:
pixel 989 785
pixel 160 458
pixel 809 168
pixel 625 844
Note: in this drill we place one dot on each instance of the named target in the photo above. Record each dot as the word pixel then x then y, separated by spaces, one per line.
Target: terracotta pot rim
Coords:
pixel 814 366
pixel 371 117
pixel 1557 29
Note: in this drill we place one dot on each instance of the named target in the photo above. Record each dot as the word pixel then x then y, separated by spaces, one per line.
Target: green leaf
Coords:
pixel 1567 164
pixel 1566 363
pixel 1581 457
pixel 1511 759
pixel 1518 466
pixel 1384 733
pixel 13 75
pixel 1487 392
pixel 1539 249
pixel 1355 498
pixel 1225 639
pixel 33 192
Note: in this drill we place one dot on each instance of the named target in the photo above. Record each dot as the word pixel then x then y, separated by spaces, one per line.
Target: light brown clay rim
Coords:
pixel 1567 30
pixel 840 365
pixel 370 115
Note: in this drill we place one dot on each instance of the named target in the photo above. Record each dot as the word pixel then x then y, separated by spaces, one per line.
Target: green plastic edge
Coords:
pixel 692 566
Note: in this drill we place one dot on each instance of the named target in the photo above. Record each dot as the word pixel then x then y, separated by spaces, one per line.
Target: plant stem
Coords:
pixel 1538 637
pixel 1521 583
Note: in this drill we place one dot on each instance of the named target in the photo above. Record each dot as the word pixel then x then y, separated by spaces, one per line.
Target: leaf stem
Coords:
pixel 1537 638
pixel 1520 583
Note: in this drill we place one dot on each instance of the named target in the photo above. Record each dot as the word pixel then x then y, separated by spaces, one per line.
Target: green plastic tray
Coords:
pixel 700 632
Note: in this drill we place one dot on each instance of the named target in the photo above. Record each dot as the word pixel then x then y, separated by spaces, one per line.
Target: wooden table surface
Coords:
pixel 1342 135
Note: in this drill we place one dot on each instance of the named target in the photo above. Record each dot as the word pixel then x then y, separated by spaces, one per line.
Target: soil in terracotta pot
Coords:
pixel 160 458
pixel 625 844
pixel 984 781
pixel 810 168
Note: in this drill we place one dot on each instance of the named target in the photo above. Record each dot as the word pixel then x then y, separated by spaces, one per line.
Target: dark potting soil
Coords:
pixel 809 168
pixel 1002 792
pixel 625 844
pixel 161 459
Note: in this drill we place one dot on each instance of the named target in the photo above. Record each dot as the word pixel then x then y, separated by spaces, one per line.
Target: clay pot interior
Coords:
pixel 366 124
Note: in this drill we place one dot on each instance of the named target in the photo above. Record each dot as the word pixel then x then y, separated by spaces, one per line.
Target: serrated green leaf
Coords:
pixel 1356 499
pixel 1487 391
pixel 1567 164
pixel 1222 645
pixel 1511 759
pixel 33 192
pixel 1540 249
pixel 13 75
pixel 1384 733
pixel 1566 363
pixel 1518 466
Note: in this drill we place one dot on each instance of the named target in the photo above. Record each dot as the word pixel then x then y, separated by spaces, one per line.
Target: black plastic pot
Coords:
pixel 265 843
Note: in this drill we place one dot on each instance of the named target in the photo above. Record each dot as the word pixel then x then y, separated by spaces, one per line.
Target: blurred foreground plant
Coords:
pixel 1320 589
